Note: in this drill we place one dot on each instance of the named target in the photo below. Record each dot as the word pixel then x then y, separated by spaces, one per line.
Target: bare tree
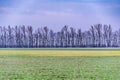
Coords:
pixel 98 28
pixel 107 35
pixel 46 31
pixel 93 36
pixel 10 36
pixel 115 39
pixel 79 38
pixel 24 36
pixel 72 37
pixel 51 38
pixel 30 36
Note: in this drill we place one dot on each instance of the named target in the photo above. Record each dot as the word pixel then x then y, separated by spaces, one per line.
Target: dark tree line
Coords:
pixel 26 37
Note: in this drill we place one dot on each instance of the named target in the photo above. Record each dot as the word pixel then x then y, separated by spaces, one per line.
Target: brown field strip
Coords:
pixel 60 52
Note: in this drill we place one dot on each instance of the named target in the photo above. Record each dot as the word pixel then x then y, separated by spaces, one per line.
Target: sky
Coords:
pixel 57 13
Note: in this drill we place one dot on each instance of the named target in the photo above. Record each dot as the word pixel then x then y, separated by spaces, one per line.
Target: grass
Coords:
pixel 59 65
pixel 59 68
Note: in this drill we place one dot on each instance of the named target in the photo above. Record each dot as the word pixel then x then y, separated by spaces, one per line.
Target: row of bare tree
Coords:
pixel 25 37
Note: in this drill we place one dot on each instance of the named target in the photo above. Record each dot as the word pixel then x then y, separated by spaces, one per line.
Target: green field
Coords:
pixel 34 65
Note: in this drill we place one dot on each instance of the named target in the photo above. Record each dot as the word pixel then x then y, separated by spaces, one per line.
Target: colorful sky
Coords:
pixel 57 13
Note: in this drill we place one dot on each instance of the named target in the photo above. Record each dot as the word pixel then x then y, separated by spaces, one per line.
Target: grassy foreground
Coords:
pixel 56 65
